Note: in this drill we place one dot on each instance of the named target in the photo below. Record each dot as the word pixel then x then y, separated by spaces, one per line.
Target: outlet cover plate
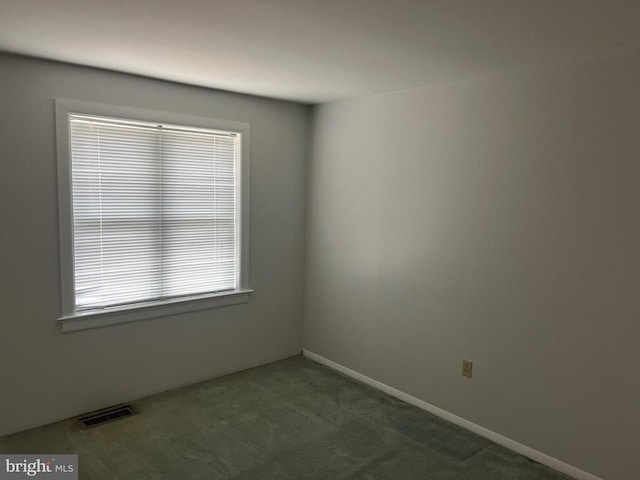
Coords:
pixel 467 367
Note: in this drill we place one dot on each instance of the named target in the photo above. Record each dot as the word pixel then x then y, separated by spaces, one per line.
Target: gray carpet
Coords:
pixel 293 419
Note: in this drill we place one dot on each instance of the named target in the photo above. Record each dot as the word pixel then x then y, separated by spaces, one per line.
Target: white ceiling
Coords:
pixel 319 50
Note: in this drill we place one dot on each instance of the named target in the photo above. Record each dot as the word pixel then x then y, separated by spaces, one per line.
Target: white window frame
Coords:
pixel 70 320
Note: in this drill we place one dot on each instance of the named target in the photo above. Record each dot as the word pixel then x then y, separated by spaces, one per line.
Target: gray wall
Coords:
pixel 46 376
pixel 496 220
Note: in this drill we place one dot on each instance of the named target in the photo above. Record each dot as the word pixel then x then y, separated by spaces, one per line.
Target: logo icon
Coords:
pixel 45 467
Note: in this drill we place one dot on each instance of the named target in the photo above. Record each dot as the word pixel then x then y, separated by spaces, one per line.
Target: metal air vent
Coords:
pixel 110 414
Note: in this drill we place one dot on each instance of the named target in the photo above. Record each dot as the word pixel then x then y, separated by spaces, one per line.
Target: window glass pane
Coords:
pixel 198 217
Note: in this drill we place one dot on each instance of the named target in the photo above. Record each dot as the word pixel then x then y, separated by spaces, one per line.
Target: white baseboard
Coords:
pixel 539 457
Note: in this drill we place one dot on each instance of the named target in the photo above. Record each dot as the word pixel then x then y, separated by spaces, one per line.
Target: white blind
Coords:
pixel 155 214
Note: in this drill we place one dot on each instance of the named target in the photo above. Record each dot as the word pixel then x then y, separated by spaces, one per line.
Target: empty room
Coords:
pixel 304 239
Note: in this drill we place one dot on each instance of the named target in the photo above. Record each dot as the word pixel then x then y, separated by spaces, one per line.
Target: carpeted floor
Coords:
pixel 293 419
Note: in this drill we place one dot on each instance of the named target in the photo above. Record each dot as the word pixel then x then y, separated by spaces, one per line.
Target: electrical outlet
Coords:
pixel 467 365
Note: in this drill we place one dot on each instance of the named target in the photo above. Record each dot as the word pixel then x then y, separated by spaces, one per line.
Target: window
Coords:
pixel 153 213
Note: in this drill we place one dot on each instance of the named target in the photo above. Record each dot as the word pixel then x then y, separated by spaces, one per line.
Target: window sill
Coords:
pixel 116 316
